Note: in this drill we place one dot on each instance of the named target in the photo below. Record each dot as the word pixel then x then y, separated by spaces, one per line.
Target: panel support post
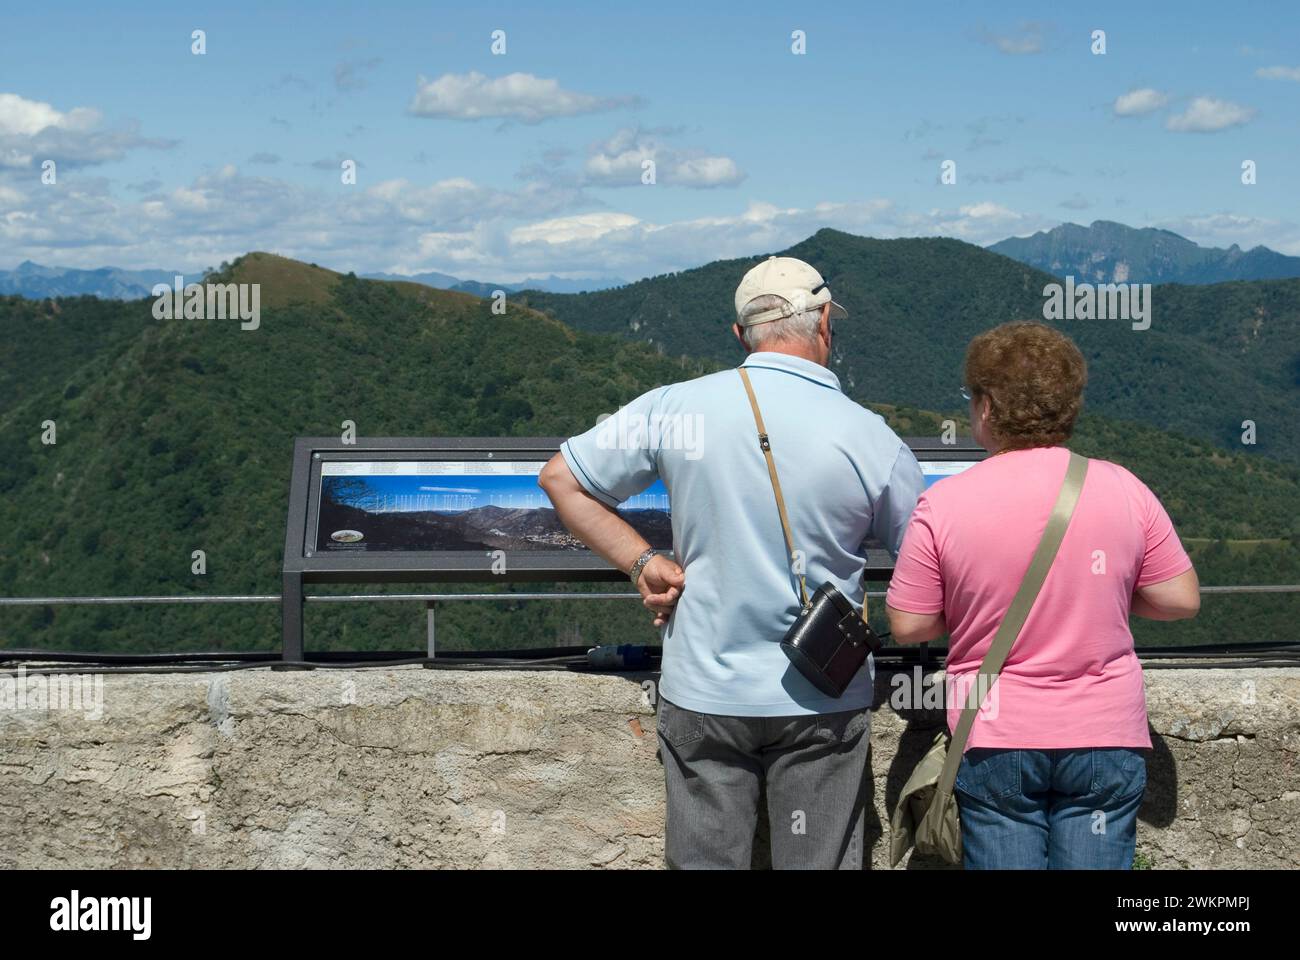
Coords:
pixel 291 632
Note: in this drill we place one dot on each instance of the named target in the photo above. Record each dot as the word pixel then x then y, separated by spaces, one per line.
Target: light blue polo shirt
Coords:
pixel 845 475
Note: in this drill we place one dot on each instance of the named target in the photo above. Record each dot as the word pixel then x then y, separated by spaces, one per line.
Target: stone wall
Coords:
pixel 405 767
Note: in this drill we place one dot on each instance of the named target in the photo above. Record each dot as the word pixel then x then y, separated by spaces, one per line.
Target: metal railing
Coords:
pixel 407 597
pixel 431 600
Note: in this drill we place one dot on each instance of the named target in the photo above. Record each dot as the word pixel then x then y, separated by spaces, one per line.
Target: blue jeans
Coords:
pixel 1050 809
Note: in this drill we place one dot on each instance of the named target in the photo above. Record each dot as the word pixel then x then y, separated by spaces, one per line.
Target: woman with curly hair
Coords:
pixel 1054 772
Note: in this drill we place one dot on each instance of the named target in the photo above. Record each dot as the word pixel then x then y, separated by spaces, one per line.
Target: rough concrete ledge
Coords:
pixel 406 767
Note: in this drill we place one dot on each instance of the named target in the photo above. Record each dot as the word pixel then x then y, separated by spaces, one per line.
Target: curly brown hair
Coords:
pixel 1034 377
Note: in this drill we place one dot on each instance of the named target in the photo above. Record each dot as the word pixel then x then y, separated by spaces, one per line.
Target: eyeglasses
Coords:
pixel 965 393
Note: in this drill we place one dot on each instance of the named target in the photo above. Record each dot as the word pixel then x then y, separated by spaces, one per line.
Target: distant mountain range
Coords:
pixel 1108 252
pixel 551 284
pixel 36 282
pixel 1104 252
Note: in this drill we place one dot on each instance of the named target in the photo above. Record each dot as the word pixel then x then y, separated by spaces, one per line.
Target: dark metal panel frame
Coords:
pixel 302 565
pixel 426 566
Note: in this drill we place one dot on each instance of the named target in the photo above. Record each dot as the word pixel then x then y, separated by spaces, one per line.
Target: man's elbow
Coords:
pixel 553 476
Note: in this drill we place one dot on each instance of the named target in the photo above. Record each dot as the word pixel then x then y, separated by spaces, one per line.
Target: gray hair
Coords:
pixel 798 327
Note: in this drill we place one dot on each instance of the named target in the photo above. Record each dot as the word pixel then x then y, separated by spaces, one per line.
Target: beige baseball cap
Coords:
pixel 797 283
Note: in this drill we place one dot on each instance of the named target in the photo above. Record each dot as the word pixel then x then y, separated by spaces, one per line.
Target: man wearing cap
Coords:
pixel 734 715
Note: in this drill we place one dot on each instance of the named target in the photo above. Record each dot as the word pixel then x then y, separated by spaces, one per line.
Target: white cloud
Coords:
pixel 225 212
pixel 456 226
pixel 1137 102
pixel 32 131
pixel 579 228
pixel 1225 229
pixel 516 96
pixel 474 231
pixel 707 172
pixel 633 247
pixel 1209 115
pixel 618 162
pixel 1279 73
pixel 22 117
pixel 451 249
pixel 459 202
pixel 988 211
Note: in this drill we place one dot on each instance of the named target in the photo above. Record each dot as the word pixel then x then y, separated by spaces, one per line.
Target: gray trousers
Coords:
pixel 814 769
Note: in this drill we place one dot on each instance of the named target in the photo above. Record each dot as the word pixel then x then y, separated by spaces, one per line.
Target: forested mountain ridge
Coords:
pixel 175 435
pixel 1213 357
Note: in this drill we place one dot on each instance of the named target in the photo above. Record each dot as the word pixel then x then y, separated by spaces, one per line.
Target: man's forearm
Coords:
pixel 594 523
pixel 601 528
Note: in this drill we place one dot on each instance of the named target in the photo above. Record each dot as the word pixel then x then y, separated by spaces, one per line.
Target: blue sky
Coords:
pixel 453 492
pixel 500 167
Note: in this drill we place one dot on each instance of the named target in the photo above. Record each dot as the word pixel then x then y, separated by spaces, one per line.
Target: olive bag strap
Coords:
pixel 766 447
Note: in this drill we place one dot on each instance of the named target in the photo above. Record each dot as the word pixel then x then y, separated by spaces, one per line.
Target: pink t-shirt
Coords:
pixel 1072 679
